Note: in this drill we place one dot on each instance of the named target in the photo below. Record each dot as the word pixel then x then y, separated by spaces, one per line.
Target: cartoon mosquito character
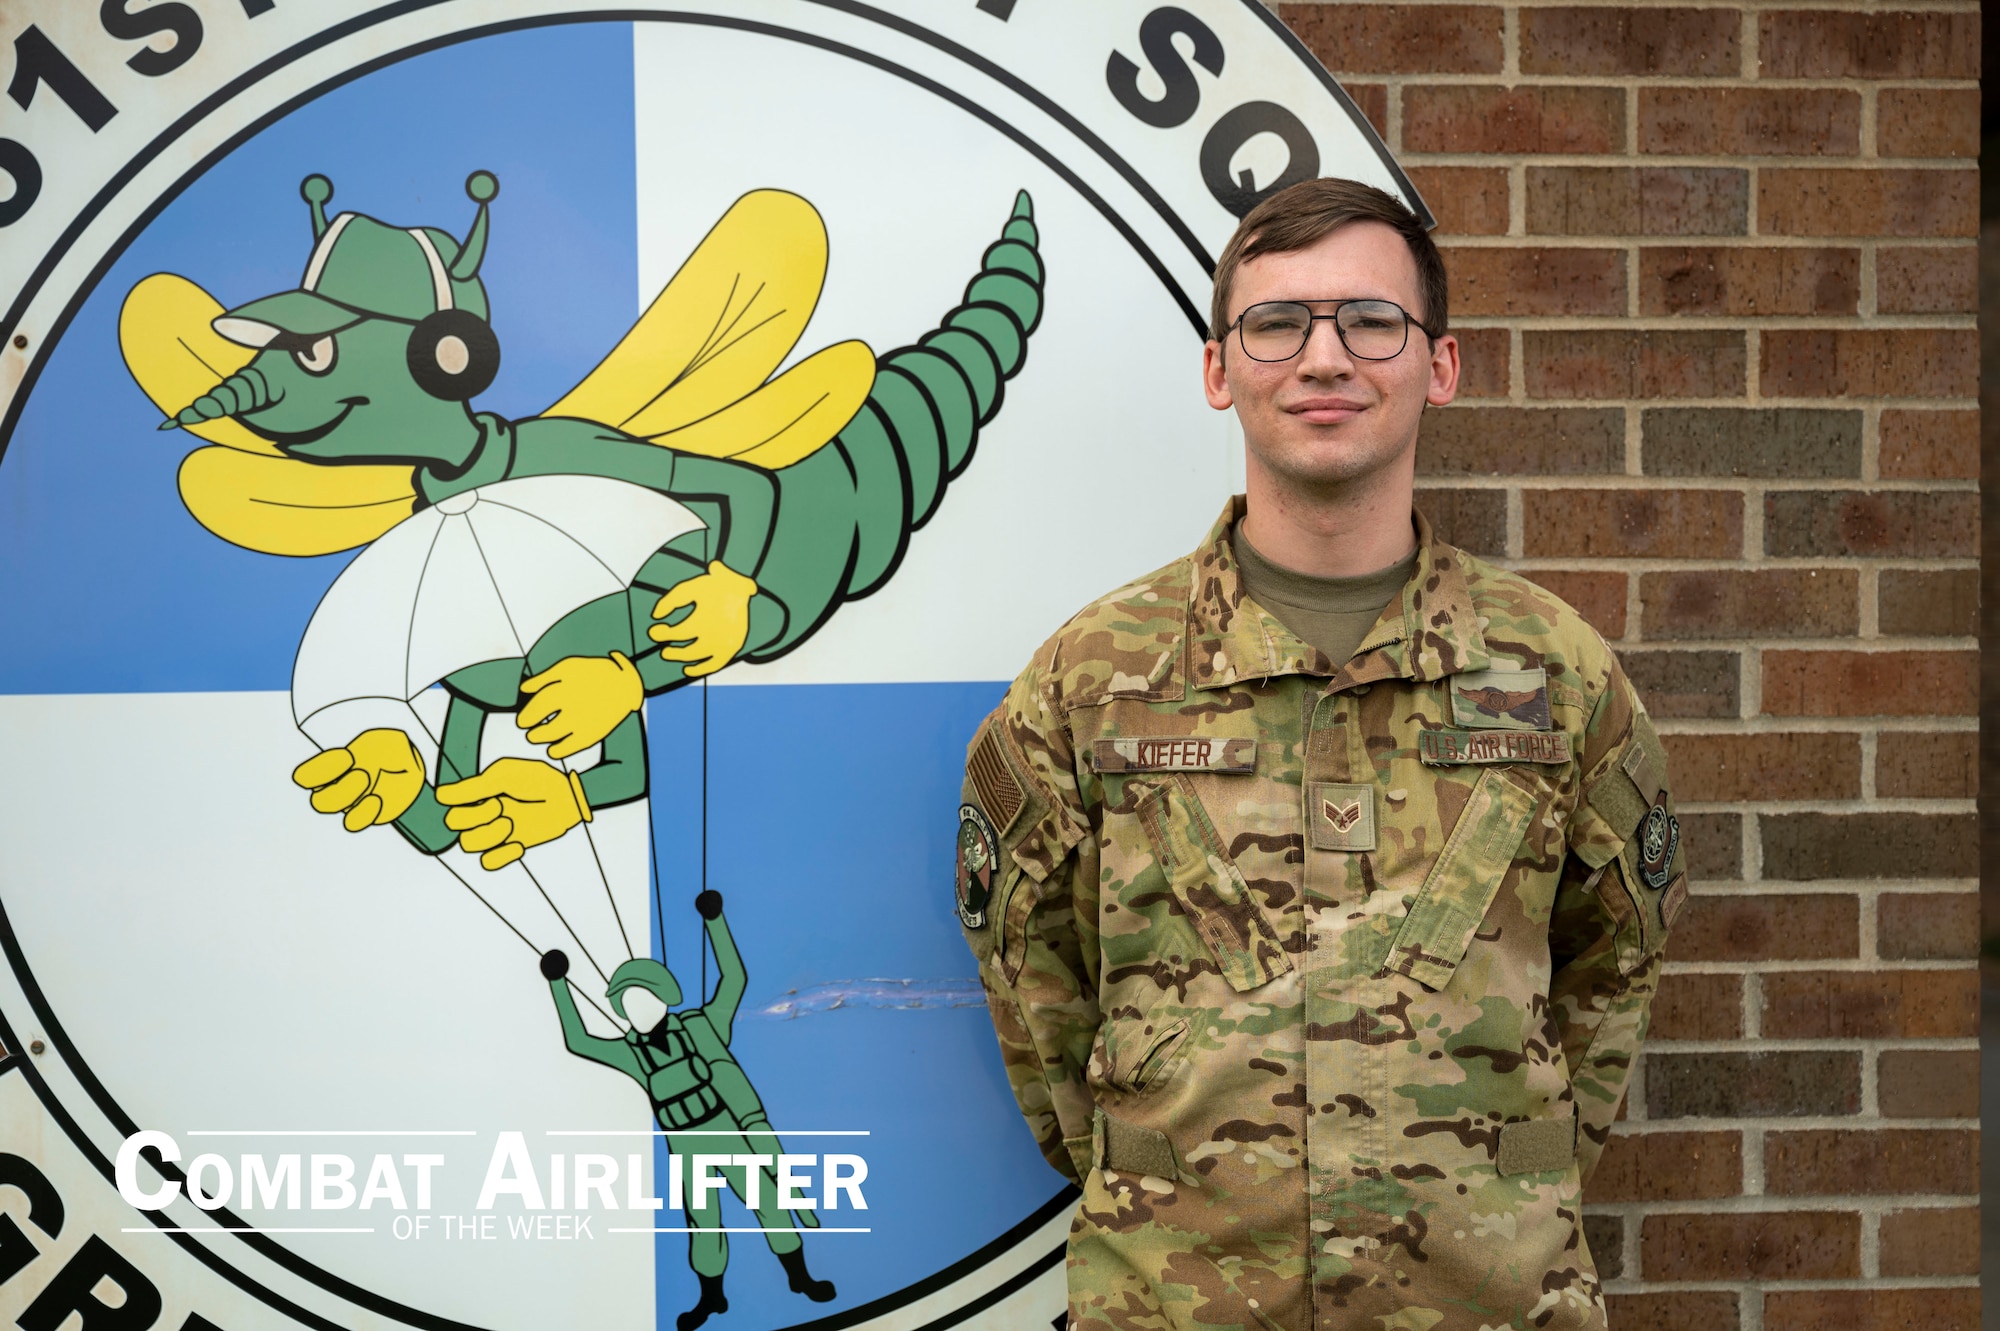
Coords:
pixel 679 509
pixel 343 409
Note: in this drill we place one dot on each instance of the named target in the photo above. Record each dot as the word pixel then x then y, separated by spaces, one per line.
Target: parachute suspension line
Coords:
pixel 659 905
pixel 704 830
pixel 526 942
pixel 605 878
pixel 562 919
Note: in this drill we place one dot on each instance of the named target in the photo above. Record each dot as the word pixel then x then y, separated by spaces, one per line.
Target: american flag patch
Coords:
pixel 993 781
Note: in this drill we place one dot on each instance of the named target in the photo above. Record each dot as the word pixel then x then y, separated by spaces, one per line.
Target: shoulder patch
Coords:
pixel 976 871
pixel 999 793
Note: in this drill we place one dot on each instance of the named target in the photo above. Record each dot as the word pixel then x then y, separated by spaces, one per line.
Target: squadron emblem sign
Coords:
pixel 509 514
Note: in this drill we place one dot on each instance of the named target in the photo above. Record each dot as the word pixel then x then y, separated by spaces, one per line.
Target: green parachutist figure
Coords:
pixel 683 1061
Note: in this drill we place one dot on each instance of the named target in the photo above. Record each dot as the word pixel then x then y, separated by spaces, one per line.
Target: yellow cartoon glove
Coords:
pixel 514 804
pixel 715 631
pixel 579 700
pixel 373 780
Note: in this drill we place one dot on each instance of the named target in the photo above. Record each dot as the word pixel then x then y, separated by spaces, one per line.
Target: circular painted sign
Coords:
pixel 511 514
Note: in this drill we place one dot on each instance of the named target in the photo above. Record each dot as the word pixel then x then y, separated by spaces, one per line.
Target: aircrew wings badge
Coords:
pixel 1501 700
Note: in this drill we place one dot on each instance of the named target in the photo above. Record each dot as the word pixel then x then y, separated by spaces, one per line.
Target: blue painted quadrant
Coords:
pixel 106 583
pixel 832 813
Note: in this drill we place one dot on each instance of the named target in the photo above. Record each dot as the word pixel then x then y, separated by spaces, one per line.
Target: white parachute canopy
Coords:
pixel 478 577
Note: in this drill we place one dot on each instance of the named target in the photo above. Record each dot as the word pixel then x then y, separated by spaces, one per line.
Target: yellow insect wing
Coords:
pixel 788 418
pixel 281 506
pixel 173 353
pixel 715 333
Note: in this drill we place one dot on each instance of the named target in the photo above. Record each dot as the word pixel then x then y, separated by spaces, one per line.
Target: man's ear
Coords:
pixel 1214 377
pixel 1443 386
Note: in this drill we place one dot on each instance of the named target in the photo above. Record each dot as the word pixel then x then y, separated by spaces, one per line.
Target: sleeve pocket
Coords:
pixel 1209 886
pixel 1463 882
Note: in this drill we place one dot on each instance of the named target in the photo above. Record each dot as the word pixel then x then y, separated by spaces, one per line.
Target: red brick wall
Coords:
pixel 1714 271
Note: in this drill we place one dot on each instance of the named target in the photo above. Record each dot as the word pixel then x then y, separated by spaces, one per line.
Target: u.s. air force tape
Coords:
pixel 1443 748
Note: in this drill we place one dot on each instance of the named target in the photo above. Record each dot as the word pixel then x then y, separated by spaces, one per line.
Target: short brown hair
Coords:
pixel 1306 213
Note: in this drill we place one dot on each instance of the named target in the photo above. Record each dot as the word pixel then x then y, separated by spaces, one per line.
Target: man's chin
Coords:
pixel 1331 464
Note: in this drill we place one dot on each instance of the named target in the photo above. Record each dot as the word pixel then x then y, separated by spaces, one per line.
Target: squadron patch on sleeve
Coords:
pixel 1659 839
pixel 978 864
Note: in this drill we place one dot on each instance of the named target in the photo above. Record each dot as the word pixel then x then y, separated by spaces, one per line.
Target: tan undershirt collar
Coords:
pixel 1332 614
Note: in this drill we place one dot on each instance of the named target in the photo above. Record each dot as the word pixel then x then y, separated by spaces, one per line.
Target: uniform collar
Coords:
pixel 1428 632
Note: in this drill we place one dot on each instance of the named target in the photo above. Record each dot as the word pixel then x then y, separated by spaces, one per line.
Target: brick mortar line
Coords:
pixel 1859 84
pixel 1652 1128
pixel 1712 159
pixel 1743 485
pixel 1709 240
pixel 1781 563
pixel 1638 1285
pixel 1752 7
pixel 1786 887
pixel 1673 239
pixel 1943 1045
pixel 1869 625
pixel 1466 406
pixel 1871 445
pixel 1877 645
pixel 1967 724
pixel 1751 1203
pixel 1656 322
pixel 1845 965
pixel 1831 805
pixel 1750 886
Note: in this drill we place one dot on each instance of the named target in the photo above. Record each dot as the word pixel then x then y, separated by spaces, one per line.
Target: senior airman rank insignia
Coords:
pixel 978 862
pixel 1342 816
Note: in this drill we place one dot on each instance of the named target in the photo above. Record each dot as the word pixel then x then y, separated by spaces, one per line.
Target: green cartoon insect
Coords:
pixel 343 408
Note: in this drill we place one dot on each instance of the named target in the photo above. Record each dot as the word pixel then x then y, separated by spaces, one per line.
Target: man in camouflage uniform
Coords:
pixel 1323 978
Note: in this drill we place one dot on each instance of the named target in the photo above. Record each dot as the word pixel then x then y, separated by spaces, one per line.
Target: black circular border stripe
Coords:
pixel 9 944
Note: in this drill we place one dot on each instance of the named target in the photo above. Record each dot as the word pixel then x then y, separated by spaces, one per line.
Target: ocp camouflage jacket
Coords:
pixel 1324 981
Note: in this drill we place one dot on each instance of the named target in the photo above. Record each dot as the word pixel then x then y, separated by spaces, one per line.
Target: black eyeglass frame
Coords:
pixel 1409 321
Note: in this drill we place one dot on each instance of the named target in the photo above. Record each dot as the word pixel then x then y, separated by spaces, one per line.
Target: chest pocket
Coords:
pixel 1209 887
pixel 1463 882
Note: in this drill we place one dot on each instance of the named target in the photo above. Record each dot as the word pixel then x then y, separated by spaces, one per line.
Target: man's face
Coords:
pixel 1325 417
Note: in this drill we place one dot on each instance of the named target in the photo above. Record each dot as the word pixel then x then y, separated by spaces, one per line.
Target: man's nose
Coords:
pixel 1324 354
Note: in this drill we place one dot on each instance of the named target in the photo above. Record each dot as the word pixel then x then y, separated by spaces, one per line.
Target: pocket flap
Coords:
pixel 1209 886
pixel 1462 884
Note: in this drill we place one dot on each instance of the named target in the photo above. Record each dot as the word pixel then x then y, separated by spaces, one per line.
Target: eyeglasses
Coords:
pixel 1275 330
